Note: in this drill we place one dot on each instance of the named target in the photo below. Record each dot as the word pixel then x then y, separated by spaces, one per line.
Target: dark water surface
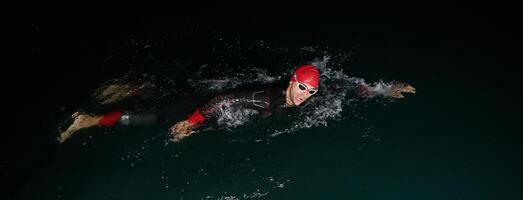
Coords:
pixel 459 137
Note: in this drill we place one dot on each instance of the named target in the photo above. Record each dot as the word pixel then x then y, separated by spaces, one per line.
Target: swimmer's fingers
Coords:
pixel 60 140
pixel 397 94
pixel 75 115
pixel 408 89
pixel 177 136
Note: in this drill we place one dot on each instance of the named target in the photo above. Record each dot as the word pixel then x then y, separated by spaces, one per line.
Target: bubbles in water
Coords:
pixel 136 154
pixel 254 195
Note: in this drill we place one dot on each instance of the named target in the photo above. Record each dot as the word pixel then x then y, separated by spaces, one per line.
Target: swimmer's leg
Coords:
pixel 117 92
pixel 83 121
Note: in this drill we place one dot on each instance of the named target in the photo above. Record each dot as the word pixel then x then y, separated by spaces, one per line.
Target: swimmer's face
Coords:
pixel 300 92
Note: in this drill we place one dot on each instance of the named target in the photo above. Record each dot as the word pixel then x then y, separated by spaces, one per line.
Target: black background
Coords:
pixel 53 51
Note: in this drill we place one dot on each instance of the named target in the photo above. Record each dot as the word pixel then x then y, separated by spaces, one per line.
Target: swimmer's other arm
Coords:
pixel 394 90
pixel 185 128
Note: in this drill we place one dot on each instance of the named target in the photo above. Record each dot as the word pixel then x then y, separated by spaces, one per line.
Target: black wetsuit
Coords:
pixel 265 101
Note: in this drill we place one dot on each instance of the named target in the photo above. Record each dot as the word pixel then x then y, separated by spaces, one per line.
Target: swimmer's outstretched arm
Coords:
pixel 393 90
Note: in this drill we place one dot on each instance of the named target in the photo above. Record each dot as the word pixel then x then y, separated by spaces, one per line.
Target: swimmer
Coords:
pixel 268 100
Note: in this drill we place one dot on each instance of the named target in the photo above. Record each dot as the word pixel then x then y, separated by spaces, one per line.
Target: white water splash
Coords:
pixel 231 116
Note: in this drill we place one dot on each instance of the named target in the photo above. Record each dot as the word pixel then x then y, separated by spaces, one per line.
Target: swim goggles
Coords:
pixel 302 87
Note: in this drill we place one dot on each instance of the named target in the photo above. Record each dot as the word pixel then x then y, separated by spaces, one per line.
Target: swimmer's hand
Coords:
pixel 398 88
pixel 180 130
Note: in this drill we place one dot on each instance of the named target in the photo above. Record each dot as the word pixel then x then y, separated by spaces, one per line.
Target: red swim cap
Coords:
pixel 307 74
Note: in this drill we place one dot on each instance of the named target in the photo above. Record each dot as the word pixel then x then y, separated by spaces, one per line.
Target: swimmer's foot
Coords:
pixel 114 93
pixel 81 121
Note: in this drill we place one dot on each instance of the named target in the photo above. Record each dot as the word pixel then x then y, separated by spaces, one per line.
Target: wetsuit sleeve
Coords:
pixel 196 117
